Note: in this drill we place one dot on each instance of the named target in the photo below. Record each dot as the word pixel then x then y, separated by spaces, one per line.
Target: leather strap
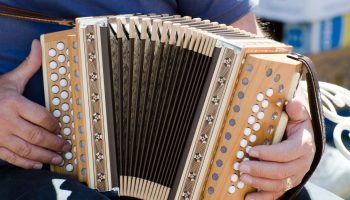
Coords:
pixel 22 14
pixel 317 119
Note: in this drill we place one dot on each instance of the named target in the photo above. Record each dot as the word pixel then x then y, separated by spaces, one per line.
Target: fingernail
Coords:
pixel 244 168
pixel 66 148
pixel 57 160
pixel 38 166
pixel 249 198
pixel 253 153
pixel 247 179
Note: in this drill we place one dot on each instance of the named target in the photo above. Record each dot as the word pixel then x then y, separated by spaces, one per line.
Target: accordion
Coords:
pixel 165 107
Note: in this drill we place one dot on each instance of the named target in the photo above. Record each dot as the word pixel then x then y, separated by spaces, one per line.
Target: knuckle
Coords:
pixel 35 136
pixel 24 150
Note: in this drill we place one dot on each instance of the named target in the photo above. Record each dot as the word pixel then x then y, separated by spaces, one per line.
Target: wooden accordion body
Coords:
pixel 165 107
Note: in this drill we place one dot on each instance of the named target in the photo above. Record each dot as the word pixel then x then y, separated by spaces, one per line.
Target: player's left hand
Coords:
pixel 281 166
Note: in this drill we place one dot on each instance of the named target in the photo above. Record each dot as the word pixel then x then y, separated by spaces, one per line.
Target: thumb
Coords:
pixel 296 111
pixel 27 68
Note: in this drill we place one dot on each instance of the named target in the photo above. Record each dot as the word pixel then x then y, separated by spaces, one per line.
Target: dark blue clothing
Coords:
pixel 16 36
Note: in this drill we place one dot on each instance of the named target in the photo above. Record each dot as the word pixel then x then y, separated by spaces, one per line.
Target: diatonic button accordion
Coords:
pixel 165 107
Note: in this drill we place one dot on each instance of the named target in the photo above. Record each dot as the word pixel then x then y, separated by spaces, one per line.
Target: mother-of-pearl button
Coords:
pixel 54 77
pixel 243 143
pixel 64 95
pixel 69 168
pixel 62 70
pixel 232 189
pixel 60 46
pixel 67 131
pixel 65 106
pixel 55 101
pixel 234 178
pixel 269 92
pixel 57 113
pixel 256 126
pixel 55 89
pixel 236 165
pixel 248 149
pixel 240 184
pixel 68 155
pixel 265 104
pixel 252 138
pixel 240 154
pixel 260 97
pixel 251 120
pixel 255 108
pixel 260 115
pixel 66 119
pixel 61 58
pixel 246 159
pixel 52 52
pixel 247 131
pixel 53 65
pixel 63 82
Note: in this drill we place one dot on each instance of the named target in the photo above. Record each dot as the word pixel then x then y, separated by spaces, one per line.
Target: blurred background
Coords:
pixel 319 29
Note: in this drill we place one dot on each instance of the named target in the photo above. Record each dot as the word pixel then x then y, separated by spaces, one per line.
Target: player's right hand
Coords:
pixel 28 132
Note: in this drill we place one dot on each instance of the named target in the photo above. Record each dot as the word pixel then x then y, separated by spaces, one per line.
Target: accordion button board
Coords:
pixel 165 107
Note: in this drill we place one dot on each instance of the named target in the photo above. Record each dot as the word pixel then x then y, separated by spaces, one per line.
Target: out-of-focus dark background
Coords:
pixel 319 29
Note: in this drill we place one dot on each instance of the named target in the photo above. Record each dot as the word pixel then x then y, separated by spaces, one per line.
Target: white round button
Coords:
pixel 234 178
pixel 64 95
pixel 240 185
pixel 68 155
pixel 53 65
pixel 55 101
pixel 67 131
pixel 260 115
pixel 69 168
pixel 260 97
pixel 55 89
pixel 248 149
pixel 252 138
pixel 269 92
pixel 65 107
pixel 265 104
pixel 251 120
pixel 54 77
pixel 61 58
pixel 60 46
pixel 231 189
pixel 57 113
pixel 255 108
pixel 63 82
pixel 256 126
pixel 236 165
pixel 62 70
pixel 247 131
pixel 243 143
pixel 66 119
pixel 52 52
pixel 240 154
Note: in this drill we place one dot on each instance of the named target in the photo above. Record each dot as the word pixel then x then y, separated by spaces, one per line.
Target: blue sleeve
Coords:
pixel 222 11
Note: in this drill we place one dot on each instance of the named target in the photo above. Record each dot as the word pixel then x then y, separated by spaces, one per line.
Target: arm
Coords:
pixel 291 159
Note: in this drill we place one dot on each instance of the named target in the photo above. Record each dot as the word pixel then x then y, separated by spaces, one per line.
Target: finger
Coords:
pixel 29 151
pixel 296 111
pixel 263 195
pixel 27 68
pixel 272 170
pixel 269 185
pixel 40 137
pixel 37 114
pixel 285 151
pixel 14 159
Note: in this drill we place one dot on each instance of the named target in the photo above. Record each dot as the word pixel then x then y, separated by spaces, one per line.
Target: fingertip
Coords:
pixel 35 53
pixel 38 166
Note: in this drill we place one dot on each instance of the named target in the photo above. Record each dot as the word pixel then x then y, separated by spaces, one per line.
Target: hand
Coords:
pixel 291 158
pixel 26 129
